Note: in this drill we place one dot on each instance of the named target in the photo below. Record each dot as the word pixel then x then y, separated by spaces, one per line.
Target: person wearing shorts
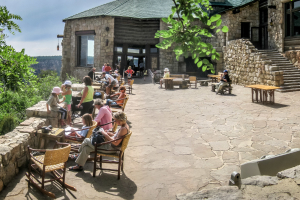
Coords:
pixel 129 73
pixel 111 82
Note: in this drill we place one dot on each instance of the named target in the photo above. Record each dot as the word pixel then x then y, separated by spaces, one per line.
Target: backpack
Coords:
pixel 97 137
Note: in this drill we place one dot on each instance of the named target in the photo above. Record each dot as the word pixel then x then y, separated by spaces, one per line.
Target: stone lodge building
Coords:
pixel 122 33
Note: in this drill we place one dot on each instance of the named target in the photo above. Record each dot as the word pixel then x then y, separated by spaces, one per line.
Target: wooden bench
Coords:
pixel 225 89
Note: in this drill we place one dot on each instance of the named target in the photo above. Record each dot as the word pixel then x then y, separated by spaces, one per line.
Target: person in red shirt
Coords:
pixel 107 68
pixel 129 73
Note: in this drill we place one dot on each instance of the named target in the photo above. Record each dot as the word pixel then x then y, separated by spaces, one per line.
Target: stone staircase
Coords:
pixel 291 74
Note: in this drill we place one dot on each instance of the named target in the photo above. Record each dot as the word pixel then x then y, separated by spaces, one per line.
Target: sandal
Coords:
pixel 73 156
pixel 79 168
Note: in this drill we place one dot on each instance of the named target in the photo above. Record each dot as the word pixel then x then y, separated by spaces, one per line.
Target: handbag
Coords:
pixel 97 136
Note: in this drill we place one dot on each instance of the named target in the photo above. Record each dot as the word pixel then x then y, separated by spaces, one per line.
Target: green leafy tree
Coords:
pixel 15 70
pixel 186 37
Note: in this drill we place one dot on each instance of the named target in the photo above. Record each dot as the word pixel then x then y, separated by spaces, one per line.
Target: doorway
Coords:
pixel 263 24
pixel 134 62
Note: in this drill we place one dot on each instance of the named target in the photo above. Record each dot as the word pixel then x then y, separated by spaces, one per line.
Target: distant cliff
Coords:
pixel 47 63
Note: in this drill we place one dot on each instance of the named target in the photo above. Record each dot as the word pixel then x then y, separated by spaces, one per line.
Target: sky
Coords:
pixel 42 21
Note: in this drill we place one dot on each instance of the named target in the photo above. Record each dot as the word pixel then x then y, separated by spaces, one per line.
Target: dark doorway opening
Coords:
pixel 263 24
pixel 245 30
pixel 193 70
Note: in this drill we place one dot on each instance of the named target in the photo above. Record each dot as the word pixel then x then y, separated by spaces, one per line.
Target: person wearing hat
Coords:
pixel 224 81
pixel 166 75
pixel 53 103
pixel 67 93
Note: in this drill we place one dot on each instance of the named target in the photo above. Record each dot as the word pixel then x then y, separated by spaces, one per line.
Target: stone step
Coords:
pixel 287 67
pixel 288 90
pixel 286 78
pixel 291 80
pixel 289 86
pixel 296 84
pixel 291 75
pixel 283 64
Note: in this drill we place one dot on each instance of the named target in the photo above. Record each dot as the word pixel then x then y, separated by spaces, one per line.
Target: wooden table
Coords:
pixel 169 83
pixel 56 134
pixel 214 78
pixel 264 92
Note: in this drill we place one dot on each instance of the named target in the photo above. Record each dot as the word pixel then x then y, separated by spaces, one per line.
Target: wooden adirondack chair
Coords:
pixel 116 109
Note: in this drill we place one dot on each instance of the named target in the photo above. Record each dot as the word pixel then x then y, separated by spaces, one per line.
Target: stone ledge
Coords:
pixel 13 148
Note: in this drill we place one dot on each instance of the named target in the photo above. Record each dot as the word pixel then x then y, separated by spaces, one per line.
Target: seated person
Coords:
pixel 87 123
pixel 166 75
pixel 224 81
pixel 111 82
pixel 104 115
pixel 119 102
pixel 87 147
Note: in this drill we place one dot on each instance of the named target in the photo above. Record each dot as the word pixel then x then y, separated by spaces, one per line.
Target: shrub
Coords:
pixel 7 124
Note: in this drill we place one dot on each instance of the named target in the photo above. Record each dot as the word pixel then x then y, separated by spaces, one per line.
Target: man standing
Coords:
pixel 91 74
pixel 224 81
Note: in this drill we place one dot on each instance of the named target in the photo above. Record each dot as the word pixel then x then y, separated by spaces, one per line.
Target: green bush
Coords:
pixel 13 105
pixel 7 124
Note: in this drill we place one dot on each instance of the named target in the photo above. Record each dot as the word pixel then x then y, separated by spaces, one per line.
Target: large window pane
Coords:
pixel 86 50
pixel 296 4
pixel 296 21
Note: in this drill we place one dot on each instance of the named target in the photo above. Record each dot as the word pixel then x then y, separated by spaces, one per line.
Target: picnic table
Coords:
pixel 214 78
pixel 262 92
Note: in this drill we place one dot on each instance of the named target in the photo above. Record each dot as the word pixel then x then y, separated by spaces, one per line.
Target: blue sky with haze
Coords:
pixel 42 21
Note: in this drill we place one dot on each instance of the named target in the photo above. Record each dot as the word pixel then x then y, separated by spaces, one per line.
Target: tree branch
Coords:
pixel 178 14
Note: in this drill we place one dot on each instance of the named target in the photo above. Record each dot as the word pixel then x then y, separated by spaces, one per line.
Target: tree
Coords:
pixel 15 70
pixel 186 37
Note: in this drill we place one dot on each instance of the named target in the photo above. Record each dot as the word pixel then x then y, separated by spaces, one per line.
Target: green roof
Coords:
pixel 148 9
pixel 141 9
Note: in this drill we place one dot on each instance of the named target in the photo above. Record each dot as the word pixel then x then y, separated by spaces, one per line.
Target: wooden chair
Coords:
pixel 119 154
pixel 77 140
pixel 116 109
pixel 129 87
pixel 193 80
pixel 51 161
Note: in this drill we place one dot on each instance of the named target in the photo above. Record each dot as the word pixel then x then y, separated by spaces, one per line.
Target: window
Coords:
pixel 86 50
pixel 292 18
pixel 245 29
pixel 153 49
pixel 119 49
pixel 133 50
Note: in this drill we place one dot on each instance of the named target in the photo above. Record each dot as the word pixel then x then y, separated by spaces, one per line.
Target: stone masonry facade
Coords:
pixel 246 67
pixel 103 51
pixel 13 148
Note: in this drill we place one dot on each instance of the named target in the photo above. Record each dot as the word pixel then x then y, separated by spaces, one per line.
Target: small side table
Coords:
pixel 56 134
pixel 169 83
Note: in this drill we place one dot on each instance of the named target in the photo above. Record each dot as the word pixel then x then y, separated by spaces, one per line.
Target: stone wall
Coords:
pixel 39 110
pixel 13 148
pixel 246 67
pixel 102 53
pixel 294 57
pixel 248 13
pixel 276 31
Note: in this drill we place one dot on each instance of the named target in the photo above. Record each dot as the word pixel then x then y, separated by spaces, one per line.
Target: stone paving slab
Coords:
pixel 185 141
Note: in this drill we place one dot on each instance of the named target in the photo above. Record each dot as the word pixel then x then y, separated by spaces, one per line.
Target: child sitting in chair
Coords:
pixel 87 123
pixel 119 102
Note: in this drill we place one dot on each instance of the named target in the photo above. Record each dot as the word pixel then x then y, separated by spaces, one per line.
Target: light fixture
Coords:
pixel 271 22
pixel 106 42
pixel 107 28
pixel 57 44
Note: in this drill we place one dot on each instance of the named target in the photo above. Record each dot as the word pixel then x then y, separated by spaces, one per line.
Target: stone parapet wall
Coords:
pixel 246 67
pixel 294 57
pixel 39 110
pixel 13 148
